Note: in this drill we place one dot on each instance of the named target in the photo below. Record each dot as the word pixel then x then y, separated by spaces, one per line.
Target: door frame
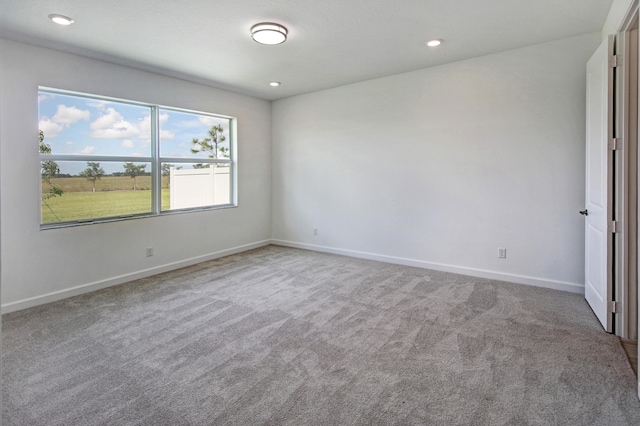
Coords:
pixel 626 245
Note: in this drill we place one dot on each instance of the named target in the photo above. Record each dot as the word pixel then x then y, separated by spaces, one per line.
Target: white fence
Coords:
pixel 199 187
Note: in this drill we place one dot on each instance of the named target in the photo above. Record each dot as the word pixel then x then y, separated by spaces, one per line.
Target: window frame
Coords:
pixel 155 160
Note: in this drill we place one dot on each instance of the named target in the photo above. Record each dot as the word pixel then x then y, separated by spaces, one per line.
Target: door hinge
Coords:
pixel 614 227
pixel 613 307
pixel 615 61
pixel 615 144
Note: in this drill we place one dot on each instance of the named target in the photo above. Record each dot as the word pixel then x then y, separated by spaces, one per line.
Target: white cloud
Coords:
pixel 113 126
pixel 145 128
pixel 49 128
pixel 97 104
pixel 88 149
pixel 69 115
pixel 208 121
pixel 64 117
pixel 70 143
pixel 167 135
pixel 120 130
pixel 127 143
pixel 107 120
pixel 144 124
pixel 43 97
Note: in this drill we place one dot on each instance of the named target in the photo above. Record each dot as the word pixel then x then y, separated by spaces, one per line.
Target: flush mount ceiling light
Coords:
pixel 269 33
pixel 435 42
pixel 60 19
pixel 275 84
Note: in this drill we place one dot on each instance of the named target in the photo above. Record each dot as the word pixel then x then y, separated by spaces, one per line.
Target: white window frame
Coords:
pixel 155 159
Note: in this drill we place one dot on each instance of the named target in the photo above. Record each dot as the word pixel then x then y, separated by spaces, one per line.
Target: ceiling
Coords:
pixel 331 42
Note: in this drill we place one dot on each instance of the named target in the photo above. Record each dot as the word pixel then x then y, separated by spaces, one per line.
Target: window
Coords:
pixel 105 159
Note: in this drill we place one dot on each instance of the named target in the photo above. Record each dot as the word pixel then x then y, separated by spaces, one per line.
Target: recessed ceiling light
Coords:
pixel 269 33
pixel 61 19
pixel 435 42
pixel 275 84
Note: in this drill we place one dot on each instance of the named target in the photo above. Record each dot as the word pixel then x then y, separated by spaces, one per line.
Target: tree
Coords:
pixel 48 170
pixel 211 143
pixel 92 173
pixel 166 168
pixel 133 170
pixel 200 166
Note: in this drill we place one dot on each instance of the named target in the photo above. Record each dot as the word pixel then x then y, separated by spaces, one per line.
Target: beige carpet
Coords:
pixel 281 336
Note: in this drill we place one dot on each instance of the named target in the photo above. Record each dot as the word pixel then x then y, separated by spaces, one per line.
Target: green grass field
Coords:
pixel 88 205
pixel 114 196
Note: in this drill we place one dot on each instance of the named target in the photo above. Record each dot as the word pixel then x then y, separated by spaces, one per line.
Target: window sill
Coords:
pixel 59 225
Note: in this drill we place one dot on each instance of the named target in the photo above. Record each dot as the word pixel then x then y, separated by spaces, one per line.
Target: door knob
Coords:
pixel 584 212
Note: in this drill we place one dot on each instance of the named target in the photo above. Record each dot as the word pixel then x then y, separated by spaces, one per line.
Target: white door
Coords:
pixel 599 184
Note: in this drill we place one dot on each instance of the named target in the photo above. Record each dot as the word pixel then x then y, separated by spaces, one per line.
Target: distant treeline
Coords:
pixel 116 174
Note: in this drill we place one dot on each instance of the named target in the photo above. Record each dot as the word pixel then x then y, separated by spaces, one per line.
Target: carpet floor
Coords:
pixel 280 336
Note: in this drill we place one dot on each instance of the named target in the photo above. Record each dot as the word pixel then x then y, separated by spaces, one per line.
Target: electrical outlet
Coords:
pixel 149 251
pixel 315 231
pixel 502 253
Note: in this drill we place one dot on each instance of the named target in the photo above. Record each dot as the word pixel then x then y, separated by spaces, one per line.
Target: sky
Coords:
pixel 84 126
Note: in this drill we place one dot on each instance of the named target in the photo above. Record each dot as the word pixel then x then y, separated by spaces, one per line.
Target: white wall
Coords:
pixel 39 266
pixel 440 167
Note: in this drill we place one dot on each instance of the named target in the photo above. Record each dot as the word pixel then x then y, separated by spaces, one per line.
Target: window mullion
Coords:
pixel 156 176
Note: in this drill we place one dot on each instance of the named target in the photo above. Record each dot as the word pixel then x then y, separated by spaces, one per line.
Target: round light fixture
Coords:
pixel 269 33
pixel 275 84
pixel 435 42
pixel 60 19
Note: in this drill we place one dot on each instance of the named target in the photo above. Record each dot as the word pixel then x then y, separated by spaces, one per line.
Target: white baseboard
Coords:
pixel 121 279
pixel 481 273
